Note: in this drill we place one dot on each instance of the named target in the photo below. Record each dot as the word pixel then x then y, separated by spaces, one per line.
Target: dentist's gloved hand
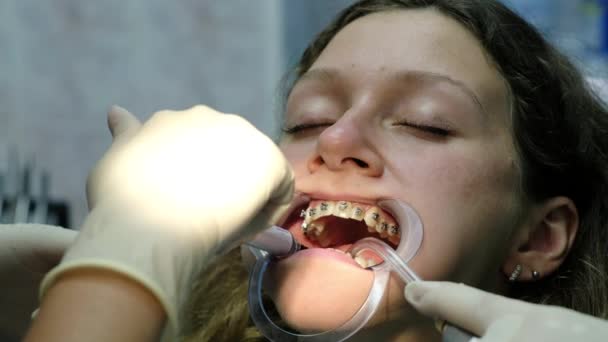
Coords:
pixel 500 319
pixel 173 193
pixel 27 253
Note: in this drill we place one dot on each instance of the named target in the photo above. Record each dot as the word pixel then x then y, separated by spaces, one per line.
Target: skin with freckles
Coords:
pixel 405 105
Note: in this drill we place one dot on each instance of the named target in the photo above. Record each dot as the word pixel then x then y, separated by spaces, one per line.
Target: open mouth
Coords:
pixel 337 225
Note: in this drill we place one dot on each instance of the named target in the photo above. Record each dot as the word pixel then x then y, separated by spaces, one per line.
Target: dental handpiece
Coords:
pixel 276 241
pixel 449 332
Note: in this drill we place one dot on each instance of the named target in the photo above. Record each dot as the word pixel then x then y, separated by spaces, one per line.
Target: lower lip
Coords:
pixel 326 254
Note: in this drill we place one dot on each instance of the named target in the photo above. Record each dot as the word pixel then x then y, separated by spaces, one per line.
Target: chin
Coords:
pixel 313 294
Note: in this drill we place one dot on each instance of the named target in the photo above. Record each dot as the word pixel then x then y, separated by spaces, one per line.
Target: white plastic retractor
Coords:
pixel 411 239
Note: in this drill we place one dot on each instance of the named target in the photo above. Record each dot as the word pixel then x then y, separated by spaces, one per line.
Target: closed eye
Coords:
pixel 434 130
pixel 305 126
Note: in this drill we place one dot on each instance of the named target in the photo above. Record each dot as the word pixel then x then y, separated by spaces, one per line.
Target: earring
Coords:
pixel 516 273
pixel 535 275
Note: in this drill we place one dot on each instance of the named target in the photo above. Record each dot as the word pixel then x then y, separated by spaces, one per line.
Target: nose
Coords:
pixel 344 146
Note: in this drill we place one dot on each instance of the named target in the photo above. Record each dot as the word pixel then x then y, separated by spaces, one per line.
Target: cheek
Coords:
pixel 469 209
pixel 473 179
pixel 298 154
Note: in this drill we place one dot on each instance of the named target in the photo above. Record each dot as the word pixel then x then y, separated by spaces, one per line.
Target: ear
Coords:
pixel 544 243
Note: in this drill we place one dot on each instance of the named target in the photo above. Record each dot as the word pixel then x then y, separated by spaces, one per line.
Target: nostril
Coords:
pixel 315 163
pixel 360 163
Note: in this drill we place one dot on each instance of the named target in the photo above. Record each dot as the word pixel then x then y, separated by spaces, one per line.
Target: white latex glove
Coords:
pixel 27 252
pixel 171 194
pixel 500 319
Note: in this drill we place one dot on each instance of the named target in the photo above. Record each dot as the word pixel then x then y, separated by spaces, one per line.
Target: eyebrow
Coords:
pixel 332 75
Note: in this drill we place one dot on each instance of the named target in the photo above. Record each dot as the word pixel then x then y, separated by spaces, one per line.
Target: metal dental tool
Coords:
pixel 396 264
pixel 276 241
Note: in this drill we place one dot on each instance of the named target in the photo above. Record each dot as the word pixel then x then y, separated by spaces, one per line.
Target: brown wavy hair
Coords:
pixel 560 128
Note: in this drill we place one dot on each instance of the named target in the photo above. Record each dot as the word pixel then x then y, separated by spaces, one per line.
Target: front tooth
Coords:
pixel 361 261
pixel 326 207
pixel 343 209
pixel 371 263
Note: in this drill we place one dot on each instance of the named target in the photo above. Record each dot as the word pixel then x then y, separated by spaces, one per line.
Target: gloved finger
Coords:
pixel 35 247
pixel 508 328
pixel 52 250
pixel 122 123
pixel 285 190
pixel 123 126
pixel 464 306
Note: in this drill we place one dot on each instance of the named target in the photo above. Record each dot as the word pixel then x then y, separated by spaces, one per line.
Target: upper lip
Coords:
pixel 342 197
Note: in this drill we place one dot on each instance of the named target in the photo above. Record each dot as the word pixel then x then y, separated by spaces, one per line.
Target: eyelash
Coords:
pixel 301 127
pixel 437 131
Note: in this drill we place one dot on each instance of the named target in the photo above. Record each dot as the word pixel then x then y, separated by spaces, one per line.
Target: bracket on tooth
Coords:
pixel 383 226
pixel 393 230
pixel 342 205
pixel 303 213
pixel 312 212
pixel 324 206
pixel 358 211
pixel 375 216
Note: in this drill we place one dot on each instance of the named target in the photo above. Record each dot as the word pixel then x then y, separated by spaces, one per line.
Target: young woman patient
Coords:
pixel 461 109
pixel 458 108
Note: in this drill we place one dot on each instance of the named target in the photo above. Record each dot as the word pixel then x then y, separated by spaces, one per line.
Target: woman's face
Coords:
pixel 401 105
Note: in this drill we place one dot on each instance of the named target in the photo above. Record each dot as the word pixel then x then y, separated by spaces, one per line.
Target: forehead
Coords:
pixel 420 41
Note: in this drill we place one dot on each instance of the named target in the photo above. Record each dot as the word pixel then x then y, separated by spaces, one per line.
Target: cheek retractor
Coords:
pixel 276 241
pixel 394 263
